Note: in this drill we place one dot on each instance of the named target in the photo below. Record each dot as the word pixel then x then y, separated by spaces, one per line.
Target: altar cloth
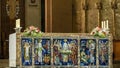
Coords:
pixel 12 50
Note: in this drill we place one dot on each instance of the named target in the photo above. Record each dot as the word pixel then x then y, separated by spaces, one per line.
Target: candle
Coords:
pixel 102 24
pixel 107 24
pixel 17 23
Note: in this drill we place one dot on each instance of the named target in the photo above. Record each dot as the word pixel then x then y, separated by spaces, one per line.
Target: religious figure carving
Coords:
pixel 65 48
pixel 65 45
pixel 40 48
pixel 57 46
pixel 26 52
pixel 84 56
pixel 73 55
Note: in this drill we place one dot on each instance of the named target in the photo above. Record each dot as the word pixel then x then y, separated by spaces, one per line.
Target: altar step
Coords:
pixel 4 63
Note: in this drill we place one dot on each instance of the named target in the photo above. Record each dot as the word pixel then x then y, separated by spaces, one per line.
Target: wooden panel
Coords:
pixel 117 20
pixel 7 26
pixel 42 15
pixel 62 16
pixel 116 50
pixel 5 29
pixel 0 22
pixel 0 32
pixel 92 15
pixel 48 15
pixel 22 14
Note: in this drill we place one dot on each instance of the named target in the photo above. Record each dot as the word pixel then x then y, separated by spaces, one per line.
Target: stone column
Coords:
pixel 92 15
pixel 116 6
pixel 107 13
pixel 78 16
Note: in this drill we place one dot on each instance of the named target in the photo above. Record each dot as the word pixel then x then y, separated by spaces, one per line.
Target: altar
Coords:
pixel 33 48
pixel 64 50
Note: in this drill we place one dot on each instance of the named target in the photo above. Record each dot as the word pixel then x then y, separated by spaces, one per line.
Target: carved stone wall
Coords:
pixel 107 14
pixel 117 20
pixel 78 16
pixel 92 15
pixel 87 14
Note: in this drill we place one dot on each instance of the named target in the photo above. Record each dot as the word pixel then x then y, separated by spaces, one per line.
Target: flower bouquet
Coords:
pixel 32 31
pixel 99 32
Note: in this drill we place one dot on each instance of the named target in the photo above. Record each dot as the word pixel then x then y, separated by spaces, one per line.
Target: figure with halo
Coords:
pixel 65 48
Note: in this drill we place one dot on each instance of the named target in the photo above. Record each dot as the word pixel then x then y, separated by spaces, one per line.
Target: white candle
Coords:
pixel 107 24
pixel 102 24
pixel 17 23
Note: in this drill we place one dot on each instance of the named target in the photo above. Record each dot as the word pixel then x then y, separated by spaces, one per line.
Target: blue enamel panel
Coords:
pixel 103 49
pixel 65 52
pixel 42 51
pixel 26 50
pixel 87 52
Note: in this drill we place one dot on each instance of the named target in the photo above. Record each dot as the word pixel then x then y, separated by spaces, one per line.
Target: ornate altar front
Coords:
pixel 65 50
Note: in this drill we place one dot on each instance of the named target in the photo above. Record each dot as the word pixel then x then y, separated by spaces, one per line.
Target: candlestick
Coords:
pixel 17 23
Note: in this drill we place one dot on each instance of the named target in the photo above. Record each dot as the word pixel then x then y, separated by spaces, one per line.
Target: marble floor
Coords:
pixel 4 63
